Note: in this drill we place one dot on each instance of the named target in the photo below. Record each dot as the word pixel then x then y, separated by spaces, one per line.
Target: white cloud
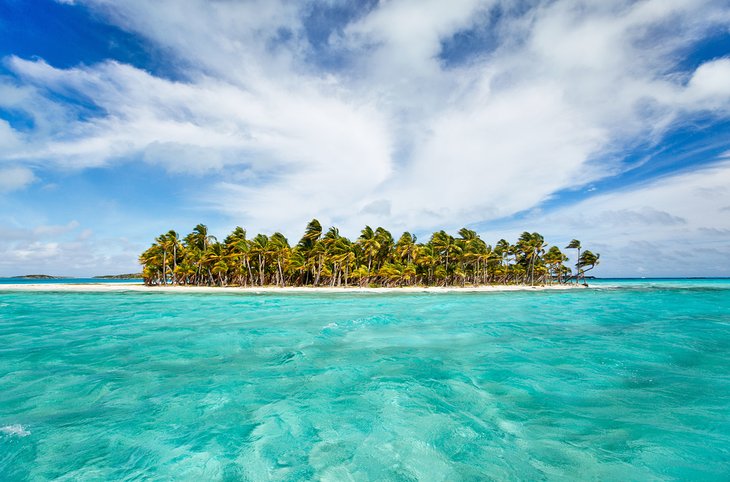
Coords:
pixel 674 225
pixel 398 136
pixel 63 250
pixel 55 229
pixel 14 178
pixel 711 81
pixel 401 40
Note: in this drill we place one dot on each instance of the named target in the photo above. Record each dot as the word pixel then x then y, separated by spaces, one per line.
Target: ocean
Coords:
pixel 56 281
pixel 629 381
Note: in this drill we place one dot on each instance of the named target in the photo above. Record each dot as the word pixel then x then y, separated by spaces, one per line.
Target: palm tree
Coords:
pixel 444 248
pixel 369 245
pixel 575 244
pixel 503 250
pixel 427 262
pixel 237 249
pixel 281 251
pixel 152 261
pixel 587 259
pixel 220 270
pixel 200 237
pixel 260 249
pixel 171 242
pixel 474 254
pixel 406 250
pixel 387 245
pixel 406 247
pixel 531 246
pixel 214 261
pixel 197 243
pixel 555 258
pixel 161 241
pixel 308 247
pixel 330 247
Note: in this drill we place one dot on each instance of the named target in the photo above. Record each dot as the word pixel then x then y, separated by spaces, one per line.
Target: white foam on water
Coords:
pixel 16 430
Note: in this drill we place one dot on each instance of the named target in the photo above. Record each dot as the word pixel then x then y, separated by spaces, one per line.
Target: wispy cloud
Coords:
pixel 667 226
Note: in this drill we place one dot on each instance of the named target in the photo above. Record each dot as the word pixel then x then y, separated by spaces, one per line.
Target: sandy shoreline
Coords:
pixel 139 287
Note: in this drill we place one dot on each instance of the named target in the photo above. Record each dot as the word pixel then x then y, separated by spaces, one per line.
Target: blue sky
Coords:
pixel 605 121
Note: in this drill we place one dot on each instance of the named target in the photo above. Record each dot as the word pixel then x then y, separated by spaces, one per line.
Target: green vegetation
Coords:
pixel 374 259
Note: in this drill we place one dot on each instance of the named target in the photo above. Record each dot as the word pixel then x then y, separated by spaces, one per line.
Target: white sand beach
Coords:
pixel 118 287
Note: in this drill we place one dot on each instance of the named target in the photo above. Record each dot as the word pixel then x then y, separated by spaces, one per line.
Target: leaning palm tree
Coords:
pixel 589 260
pixel 260 249
pixel 308 247
pixel 200 237
pixel 531 246
pixel 152 261
pixel 387 246
pixel 427 262
pixel 502 251
pixel 280 251
pixel 237 248
pixel 197 244
pixel 369 245
pixel 554 258
pixel 575 244
pixel 444 248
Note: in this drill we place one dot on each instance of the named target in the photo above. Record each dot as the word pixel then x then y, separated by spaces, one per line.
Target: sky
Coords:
pixel 603 121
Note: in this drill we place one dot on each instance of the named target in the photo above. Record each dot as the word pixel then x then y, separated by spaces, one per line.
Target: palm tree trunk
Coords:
pixel 250 272
pixel 164 266
pixel 319 271
pixel 261 271
pixel 174 262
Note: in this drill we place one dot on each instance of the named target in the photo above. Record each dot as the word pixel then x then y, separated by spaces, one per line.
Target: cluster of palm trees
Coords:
pixel 374 259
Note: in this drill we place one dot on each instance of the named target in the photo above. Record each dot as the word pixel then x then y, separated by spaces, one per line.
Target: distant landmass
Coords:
pixel 120 276
pixel 37 276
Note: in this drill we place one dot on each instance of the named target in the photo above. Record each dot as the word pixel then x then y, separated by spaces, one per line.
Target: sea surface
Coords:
pixel 26 281
pixel 630 381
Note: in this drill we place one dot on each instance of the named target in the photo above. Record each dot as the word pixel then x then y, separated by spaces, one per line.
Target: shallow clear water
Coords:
pixel 52 281
pixel 609 384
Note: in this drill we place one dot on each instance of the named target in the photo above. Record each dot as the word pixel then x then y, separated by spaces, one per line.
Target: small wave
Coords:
pixel 288 356
pixel 345 325
pixel 16 430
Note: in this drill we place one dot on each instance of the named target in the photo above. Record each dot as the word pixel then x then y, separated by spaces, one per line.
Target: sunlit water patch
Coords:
pixel 610 384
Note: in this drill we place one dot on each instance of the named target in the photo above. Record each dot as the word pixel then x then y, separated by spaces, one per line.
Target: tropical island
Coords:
pixel 375 259
pixel 37 276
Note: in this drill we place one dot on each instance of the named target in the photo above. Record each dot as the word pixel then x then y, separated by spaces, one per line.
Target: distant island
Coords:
pixel 37 276
pixel 374 259
pixel 120 276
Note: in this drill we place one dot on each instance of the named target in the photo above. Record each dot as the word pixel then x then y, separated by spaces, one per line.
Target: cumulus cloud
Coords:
pixel 711 82
pixel 397 133
pixel 14 178
pixel 63 250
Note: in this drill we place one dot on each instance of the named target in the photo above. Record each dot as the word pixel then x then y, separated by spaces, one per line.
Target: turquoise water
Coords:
pixel 626 383
pixel 26 281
